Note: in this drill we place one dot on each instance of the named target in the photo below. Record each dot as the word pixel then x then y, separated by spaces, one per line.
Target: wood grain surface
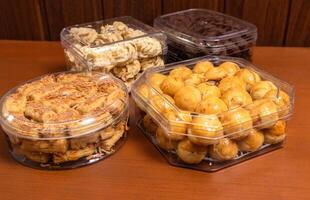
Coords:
pixel 177 5
pixel 138 171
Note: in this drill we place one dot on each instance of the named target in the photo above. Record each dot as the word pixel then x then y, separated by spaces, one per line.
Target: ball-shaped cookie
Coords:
pixel 177 125
pixel 171 85
pixel 230 68
pixel 156 79
pixel 149 125
pixel 191 153
pixel 163 141
pixel 275 134
pixel 282 101
pixel 208 90
pixel 194 79
pixel 226 149
pixel 237 123
pixel 231 82
pixel 250 77
pixel 260 89
pixel 187 98
pixel 181 72
pixel 160 102
pixel 215 74
pixel 202 67
pixel 264 113
pixel 252 142
pixel 205 130
pixel 236 97
pixel 211 105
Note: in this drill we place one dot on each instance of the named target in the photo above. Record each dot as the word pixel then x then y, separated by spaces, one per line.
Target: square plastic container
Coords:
pixel 213 112
pixel 65 120
pixel 123 46
pixel 197 32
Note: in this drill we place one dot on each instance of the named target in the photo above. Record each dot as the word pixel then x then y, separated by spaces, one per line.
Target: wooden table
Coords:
pixel 138 171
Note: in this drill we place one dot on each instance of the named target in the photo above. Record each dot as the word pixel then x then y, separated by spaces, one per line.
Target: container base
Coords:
pixel 207 165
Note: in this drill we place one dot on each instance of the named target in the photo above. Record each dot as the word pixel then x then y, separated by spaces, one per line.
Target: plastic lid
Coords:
pixel 63 105
pixel 206 29
pixel 277 105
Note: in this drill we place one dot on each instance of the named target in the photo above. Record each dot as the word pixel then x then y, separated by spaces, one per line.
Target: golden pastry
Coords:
pixel 215 74
pixel 276 133
pixel 230 68
pixel 156 79
pixel 160 103
pixel 211 105
pixel 281 99
pixel 149 125
pixel 236 97
pixel 226 149
pixel 171 85
pixel 194 79
pixel 263 112
pixel 250 77
pixel 43 146
pixel 191 153
pixel 177 125
pixel 231 82
pixel 208 90
pixel 252 142
pixel 73 155
pixel 202 67
pixel 187 98
pixel 237 123
pixel 163 141
pixel 205 130
pixel 84 141
pixel 260 89
pixel 181 72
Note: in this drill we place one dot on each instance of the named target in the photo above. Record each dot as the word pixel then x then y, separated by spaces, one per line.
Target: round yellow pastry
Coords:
pixel 226 149
pixel 190 153
pixel 264 113
pixel 208 90
pixel 230 68
pixel 237 123
pixel 236 97
pixel 177 125
pixel 281 99
pixel 146 91
pixel 160 102
pixel 181 72
pixel 205 130
pixel 187 98
pixel 231 82
pixel 252 142
pixel 156 79
pixel 163 141
pixel 215 74
pixel 249 77
pixel 276 133
pixel 171 85
pixel 202 67
pixel 149 124
pixel 194 79
pixel 260 89
pixel 211 105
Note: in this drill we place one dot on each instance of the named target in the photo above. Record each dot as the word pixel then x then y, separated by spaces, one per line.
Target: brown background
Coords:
pixel 279 22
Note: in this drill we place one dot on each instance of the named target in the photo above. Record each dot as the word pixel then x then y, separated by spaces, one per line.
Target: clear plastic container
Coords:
pixel 65 120
pixel 123 46
pixel 198 32
pixel 213 112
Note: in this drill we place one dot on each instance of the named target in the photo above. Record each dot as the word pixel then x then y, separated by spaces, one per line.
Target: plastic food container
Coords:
pixel 197 32
pixel 65 120
pixel 213 112
pixel 123 46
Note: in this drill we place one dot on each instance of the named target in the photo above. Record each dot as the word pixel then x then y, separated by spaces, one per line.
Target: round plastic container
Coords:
pixel 65 120
pixel 198 32
pixel 213 112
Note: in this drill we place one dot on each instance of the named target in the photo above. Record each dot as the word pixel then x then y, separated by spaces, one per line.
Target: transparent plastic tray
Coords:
pixel 123 46
pixel 65 120
pixel 197 32
pixel 210 136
